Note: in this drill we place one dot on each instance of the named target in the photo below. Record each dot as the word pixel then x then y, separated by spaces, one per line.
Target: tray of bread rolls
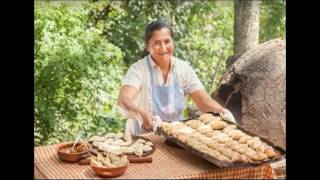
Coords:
pixel 222 143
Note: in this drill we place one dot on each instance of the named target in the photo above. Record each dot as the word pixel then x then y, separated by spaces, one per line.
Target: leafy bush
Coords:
pixel 77 76
pixel 272 20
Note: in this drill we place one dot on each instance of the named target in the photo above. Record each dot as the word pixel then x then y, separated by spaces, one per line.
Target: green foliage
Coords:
pixel 272 19
pixel 77 76
pixel 205 38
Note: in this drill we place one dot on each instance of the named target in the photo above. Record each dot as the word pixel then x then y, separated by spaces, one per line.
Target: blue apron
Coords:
pixel 167 101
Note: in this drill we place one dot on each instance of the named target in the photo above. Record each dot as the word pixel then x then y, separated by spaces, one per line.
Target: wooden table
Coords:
pixel 168 162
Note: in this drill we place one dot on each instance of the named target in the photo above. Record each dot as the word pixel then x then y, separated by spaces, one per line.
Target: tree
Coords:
pixel 246 25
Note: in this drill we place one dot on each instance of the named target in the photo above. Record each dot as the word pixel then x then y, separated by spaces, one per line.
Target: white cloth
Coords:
pixel 155 122
pixel 131 125
pixel 227 115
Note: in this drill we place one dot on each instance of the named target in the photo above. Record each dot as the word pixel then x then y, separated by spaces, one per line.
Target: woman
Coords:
pixel 159 84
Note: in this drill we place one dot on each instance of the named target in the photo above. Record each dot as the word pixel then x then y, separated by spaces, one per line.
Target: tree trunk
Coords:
pixel 246 25
pixel 253 88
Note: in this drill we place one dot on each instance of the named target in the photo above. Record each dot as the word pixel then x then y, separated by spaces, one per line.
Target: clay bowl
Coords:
pixel 108 171
pixel 66 156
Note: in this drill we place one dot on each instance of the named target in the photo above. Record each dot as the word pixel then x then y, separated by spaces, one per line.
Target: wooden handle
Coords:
pixel 84 162
pixel 136 159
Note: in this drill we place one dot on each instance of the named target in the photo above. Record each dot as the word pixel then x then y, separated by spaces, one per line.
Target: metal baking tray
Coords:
pixel 280 152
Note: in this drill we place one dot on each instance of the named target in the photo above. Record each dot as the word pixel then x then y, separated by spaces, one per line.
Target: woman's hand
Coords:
pixel 146 121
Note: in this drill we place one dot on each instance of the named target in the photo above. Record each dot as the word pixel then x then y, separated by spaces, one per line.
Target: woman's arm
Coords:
pixel 125 101
pixel 205 103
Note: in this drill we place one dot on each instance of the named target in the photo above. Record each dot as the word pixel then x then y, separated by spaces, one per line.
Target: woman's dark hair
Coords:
pixel 153 26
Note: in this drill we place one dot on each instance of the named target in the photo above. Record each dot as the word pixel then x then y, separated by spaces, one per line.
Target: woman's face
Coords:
pixel 160 46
